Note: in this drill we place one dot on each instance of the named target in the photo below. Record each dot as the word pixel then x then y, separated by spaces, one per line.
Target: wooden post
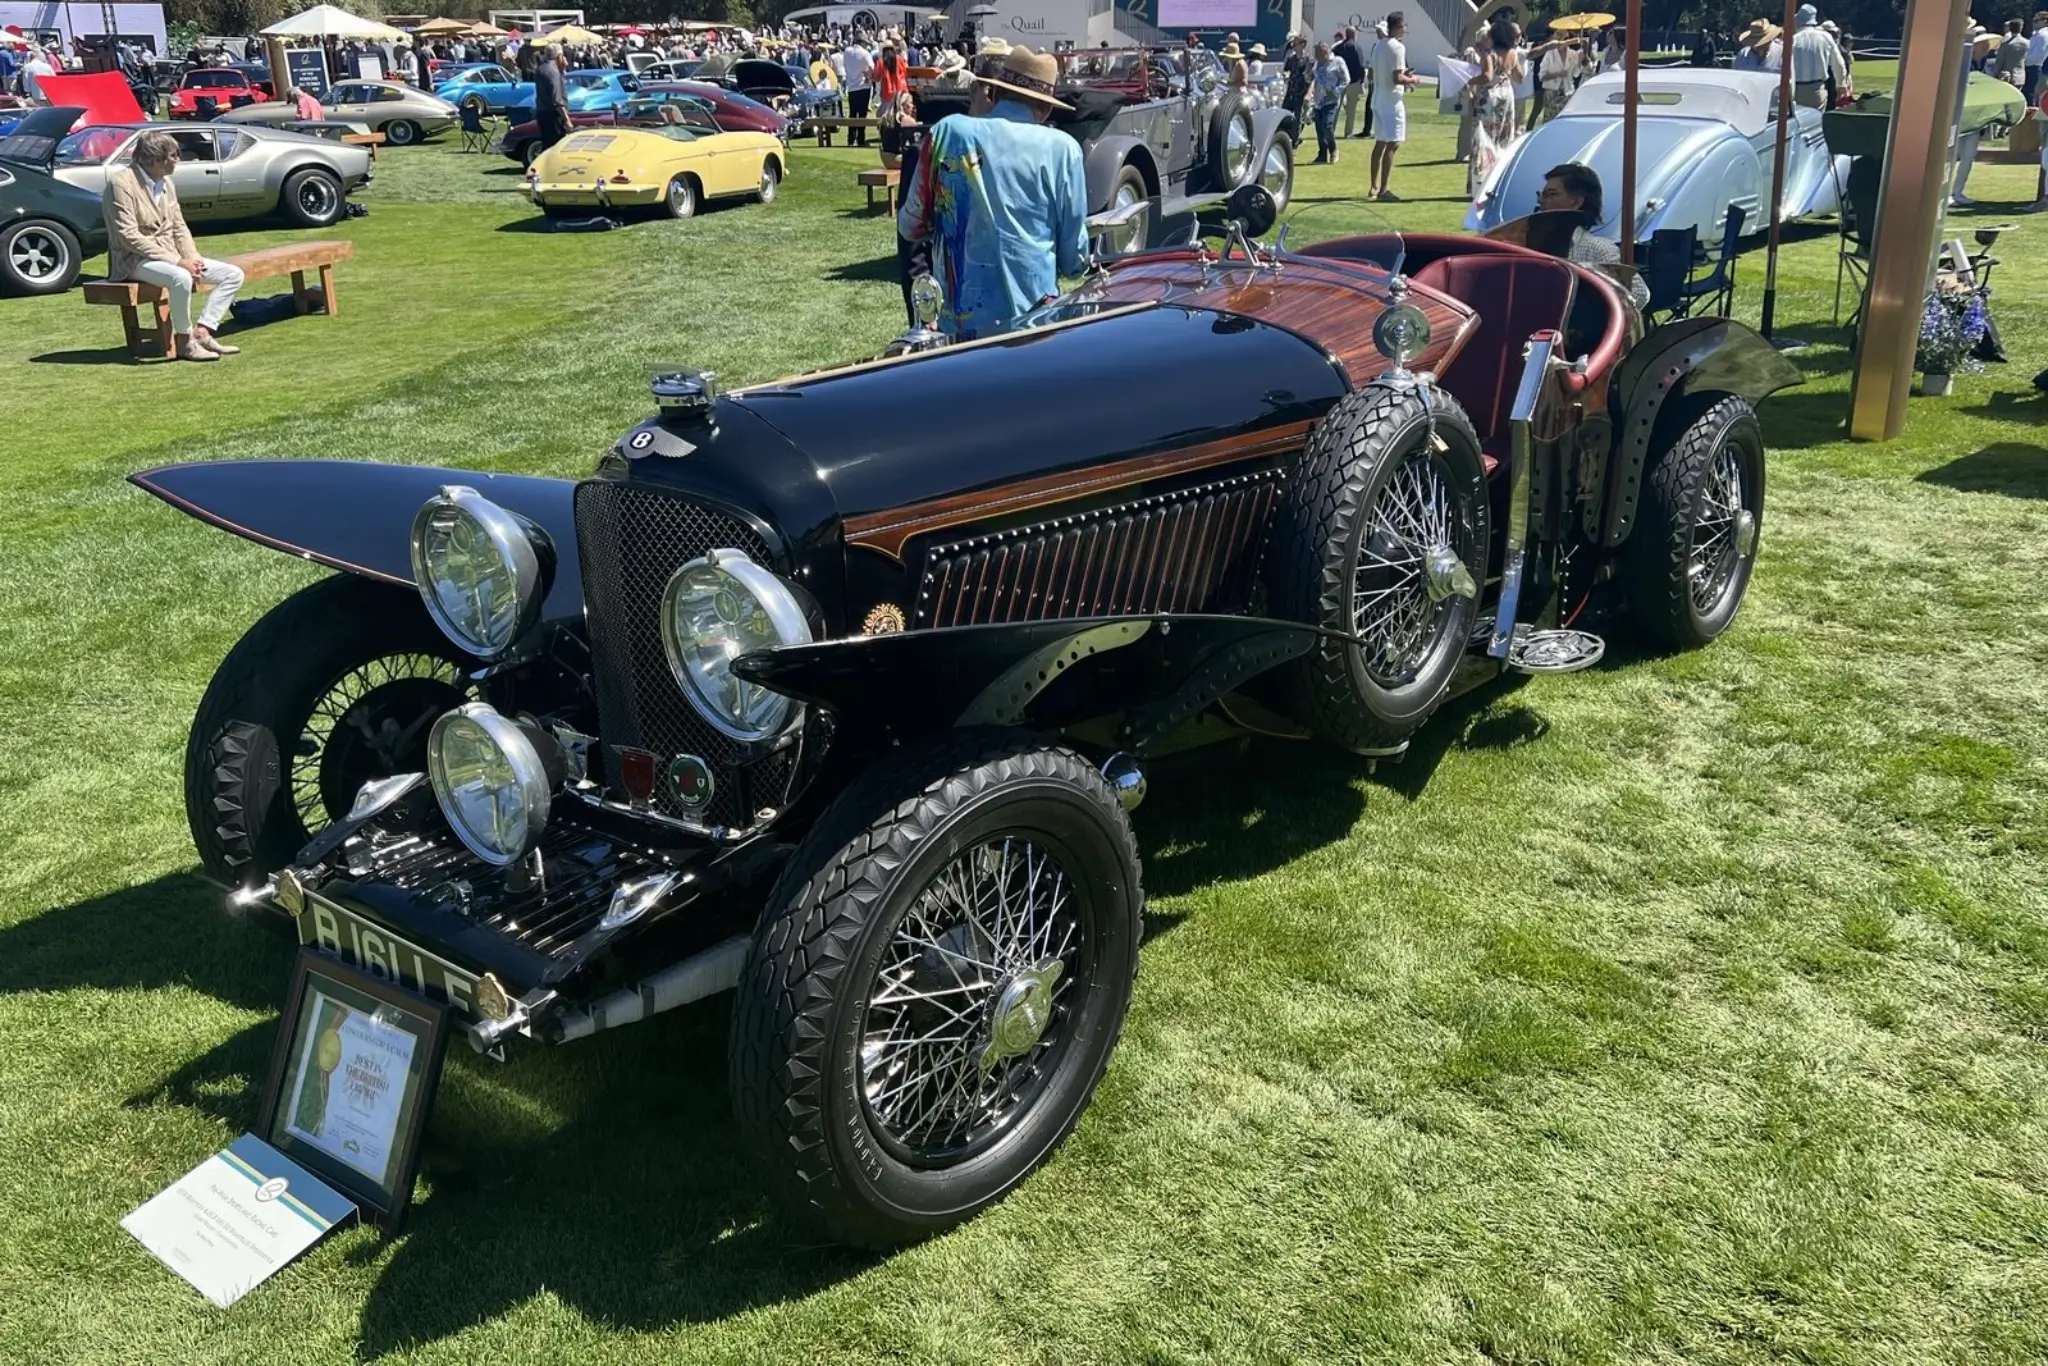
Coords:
pixel 280 69
pixel 1631 67
pixel 1908 217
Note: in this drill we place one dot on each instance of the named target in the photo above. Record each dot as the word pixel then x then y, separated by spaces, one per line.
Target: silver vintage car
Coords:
pixel 228 172
pixel 1705 145
pixel 402 113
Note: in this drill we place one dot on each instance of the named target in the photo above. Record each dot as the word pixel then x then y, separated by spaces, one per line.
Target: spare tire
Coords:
pixel 1381 535
pixel 1230 142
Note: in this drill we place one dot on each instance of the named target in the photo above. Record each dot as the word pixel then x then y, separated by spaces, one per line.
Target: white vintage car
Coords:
pixel 1704 143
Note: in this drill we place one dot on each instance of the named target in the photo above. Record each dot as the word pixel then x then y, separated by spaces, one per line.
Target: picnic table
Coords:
pixel 296 260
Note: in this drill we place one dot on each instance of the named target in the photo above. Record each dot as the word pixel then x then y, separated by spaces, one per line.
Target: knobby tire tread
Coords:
pixel 779 1045
pixel 1661 549
pixel 1309 569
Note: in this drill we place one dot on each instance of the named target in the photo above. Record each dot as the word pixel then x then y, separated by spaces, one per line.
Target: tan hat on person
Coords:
pixel 1257 49
pixel 949 60
pixel 1760 33
pixel 994 47
pixel 1029 74
pixel 1230 52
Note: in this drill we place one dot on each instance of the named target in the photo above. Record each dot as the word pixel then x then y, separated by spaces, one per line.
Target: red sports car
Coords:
pixel 221 84
pixel 732 112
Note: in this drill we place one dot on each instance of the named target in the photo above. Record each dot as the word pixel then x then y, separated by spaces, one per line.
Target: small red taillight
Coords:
pixel 619 178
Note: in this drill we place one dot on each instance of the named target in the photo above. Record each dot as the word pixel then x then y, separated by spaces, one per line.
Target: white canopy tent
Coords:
pixel 330 21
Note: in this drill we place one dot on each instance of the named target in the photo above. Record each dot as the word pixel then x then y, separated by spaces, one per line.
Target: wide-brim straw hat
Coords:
pixel 1760 33
pixel 1230 52
pixel 1257 49
pixel 1029 75
pixel 994 47
pixel 949 60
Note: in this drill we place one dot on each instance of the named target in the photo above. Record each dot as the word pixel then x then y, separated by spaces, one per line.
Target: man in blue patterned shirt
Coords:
pixel 1002 198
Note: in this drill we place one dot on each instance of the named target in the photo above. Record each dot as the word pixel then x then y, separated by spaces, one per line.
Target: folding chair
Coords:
pixel 1720 281
pixel 1667 267
pixel 477 135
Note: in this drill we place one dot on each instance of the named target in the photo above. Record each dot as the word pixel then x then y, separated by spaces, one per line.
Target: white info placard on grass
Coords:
pixel 237 1218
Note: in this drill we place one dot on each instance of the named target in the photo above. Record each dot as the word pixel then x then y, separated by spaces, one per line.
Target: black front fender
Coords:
pixel 1692 356
pixel 357 517
pixel 1158 671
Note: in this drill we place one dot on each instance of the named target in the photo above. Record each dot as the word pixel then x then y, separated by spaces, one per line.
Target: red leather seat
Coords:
pixel 1517 297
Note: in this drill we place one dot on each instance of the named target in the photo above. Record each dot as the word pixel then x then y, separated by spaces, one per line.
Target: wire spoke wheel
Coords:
pixel 1411 571
pixel 1717 531
pixel 371 722
pixel 967 1014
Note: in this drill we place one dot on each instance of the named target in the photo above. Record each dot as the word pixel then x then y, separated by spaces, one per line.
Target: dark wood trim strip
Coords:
pixel 888 531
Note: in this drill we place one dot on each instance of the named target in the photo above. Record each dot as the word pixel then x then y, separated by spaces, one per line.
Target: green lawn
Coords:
pixel 1686 1010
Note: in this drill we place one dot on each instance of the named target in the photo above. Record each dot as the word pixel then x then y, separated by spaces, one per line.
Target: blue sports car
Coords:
pixel 485 87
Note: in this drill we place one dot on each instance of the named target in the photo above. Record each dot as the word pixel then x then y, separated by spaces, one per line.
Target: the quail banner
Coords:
pixel 237 1218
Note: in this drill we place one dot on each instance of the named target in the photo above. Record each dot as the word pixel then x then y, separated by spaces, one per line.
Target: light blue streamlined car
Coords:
pixel 488 87
pixel 1704 142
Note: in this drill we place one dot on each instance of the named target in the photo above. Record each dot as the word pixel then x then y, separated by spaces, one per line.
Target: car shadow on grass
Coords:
pixel 642 1210
pixel 2016 469
pixel 166 933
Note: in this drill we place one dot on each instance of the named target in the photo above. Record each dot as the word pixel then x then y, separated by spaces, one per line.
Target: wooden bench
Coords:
pixel 293 260
pixel 879 177
pixel 370 140
pixel 825 125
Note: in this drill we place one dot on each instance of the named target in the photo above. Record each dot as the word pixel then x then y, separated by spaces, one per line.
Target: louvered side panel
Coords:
pixel 1191 551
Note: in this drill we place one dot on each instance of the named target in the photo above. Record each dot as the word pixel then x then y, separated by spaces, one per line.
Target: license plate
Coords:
pixel 367 945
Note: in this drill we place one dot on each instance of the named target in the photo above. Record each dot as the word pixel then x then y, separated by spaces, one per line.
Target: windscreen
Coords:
pixel 215 80
pixel 1345 229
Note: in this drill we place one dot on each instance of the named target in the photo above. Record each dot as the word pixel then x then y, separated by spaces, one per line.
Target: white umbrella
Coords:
pixel 330 21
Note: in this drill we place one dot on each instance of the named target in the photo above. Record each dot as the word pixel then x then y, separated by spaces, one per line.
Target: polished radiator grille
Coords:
pixel 1192 551
pixel 547 915
pixel 632 541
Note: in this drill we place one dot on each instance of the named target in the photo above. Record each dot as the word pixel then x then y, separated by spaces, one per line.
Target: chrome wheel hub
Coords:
pixel 1022 1010
pixel 1445 575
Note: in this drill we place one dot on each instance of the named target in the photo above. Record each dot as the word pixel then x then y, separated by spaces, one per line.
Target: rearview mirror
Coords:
pixel 1252 209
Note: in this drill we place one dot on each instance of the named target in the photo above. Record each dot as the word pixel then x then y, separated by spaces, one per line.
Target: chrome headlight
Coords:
pixel 713 611
pixel 491 780
pixel 482 571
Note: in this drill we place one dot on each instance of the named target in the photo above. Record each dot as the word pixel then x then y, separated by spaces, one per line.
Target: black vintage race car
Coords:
pixel 792 698
pixel 47 228
pixel 1163 128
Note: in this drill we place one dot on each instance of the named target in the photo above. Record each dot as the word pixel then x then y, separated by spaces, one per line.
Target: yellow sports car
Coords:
pixel 674 165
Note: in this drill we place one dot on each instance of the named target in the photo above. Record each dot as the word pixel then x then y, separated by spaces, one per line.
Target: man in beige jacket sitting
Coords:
pixel 147 240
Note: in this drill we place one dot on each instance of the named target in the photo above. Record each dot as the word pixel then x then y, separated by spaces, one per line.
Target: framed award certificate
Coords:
pixel 352 1080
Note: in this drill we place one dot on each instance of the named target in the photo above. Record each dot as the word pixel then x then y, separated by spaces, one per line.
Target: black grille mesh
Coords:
pixel 1192 551
pixel 632 539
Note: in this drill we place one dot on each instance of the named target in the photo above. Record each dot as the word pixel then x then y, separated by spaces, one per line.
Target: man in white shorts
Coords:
pixel 1391 80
